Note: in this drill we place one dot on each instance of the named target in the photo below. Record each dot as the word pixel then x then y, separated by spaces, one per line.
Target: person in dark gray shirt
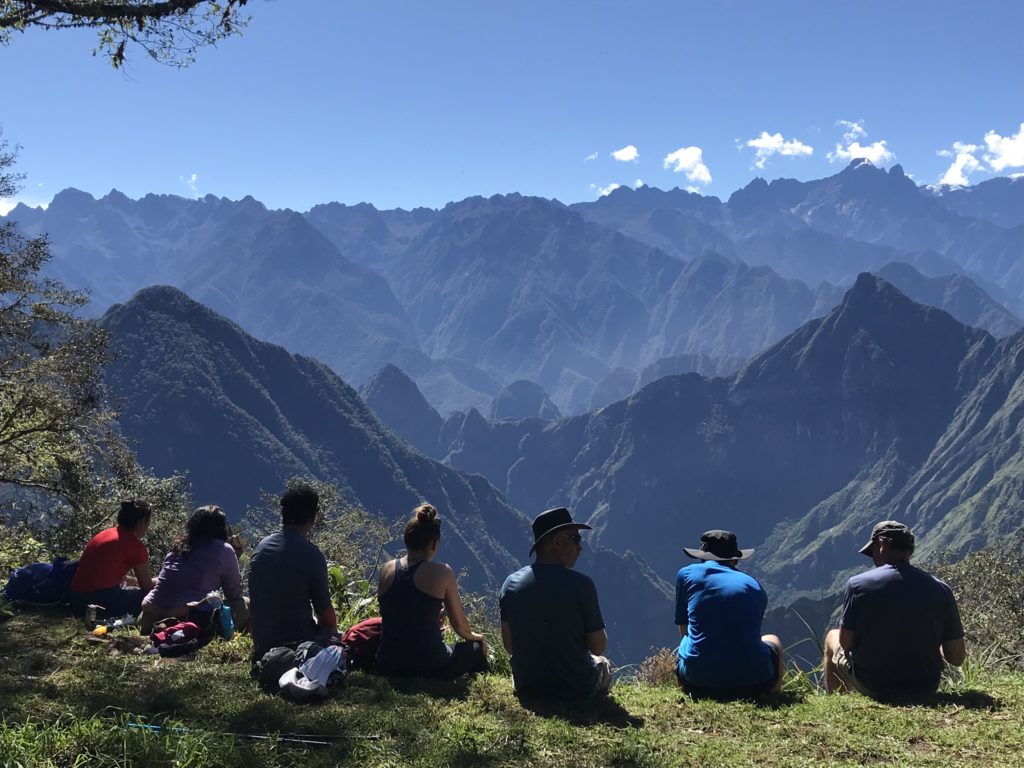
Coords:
pixel 288 580
pixel 898 625
pixel 551 622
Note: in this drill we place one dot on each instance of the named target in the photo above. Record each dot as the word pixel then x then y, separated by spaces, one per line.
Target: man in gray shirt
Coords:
pixel 551 623
pixel 288 575
pixel 899 624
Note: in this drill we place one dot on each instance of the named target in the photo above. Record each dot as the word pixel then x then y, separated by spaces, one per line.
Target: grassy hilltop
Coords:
pixel 65 701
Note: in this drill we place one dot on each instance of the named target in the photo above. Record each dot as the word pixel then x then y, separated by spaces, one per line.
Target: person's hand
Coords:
pixel 482 640
pixel 236 543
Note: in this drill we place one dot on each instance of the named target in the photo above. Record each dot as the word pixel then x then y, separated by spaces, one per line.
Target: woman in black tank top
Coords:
pixel 411 641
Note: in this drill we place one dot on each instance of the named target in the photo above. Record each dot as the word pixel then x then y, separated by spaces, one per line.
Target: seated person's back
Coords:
pixel 901 616
pixel 723 647
pixel 201 561
pixel 288 575
pixel 550 609
pixel 551 622
pixel 412 590
pixel 107 560
pixel 411 638
pixel 899 624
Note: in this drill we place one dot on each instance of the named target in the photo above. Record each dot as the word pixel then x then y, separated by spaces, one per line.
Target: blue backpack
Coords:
pixel 41 583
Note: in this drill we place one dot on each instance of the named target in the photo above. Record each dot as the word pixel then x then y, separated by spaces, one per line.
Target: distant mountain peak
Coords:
pixel 861 163
pixel 869 288
pixel 70 199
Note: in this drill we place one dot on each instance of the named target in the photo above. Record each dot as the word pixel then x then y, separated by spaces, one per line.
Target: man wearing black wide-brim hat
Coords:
pixel 551 622
pixel 719 610
pixel 899 624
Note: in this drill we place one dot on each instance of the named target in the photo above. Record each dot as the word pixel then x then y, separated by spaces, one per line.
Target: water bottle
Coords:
pixel 227 622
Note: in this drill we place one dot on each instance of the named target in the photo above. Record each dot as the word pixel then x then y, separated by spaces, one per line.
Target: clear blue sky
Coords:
pixel 420 102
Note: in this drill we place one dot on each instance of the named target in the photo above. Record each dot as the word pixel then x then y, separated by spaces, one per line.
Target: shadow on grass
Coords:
pixel 766 701
pixel 969 699
pixel 601 710
pixel 436 689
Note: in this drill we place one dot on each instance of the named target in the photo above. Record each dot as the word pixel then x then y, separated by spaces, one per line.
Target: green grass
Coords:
pixel 65 701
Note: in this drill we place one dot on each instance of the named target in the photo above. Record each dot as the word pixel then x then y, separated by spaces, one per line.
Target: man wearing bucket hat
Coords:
pixel 719 610
pixel 551 623
pixel 898 624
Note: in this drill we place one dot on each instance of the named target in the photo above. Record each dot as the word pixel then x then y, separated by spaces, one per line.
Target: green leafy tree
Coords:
pixel 54 423
pixel 169 31
pixel 63 465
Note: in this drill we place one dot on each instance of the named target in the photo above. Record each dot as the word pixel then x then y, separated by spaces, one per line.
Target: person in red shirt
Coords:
pixel 106 561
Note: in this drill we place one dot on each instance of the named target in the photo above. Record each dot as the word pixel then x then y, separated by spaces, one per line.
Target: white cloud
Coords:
pixel 628 154
pixel 192 183
pixel 964 164
pixel 591 156
pixel 1005 151
pixel 638 183
pixel 877 152
pixel 694 190
pixel 605 191
pixel 688 160
pixel 854 130
pixel 767 145
pixel 851 149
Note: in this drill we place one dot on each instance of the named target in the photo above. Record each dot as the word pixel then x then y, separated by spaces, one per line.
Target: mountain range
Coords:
pixel 587 301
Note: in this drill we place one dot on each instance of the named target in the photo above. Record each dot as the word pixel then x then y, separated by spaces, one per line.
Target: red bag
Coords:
pixel 361 643
pixel 189 631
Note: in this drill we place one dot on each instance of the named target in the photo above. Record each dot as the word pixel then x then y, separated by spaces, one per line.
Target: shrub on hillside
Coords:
pixel 989 587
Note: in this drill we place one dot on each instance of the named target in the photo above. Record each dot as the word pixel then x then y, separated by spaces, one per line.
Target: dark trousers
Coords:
pixel 466 658
pixel 116 601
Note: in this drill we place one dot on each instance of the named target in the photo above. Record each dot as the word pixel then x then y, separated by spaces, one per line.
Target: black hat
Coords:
pixel 718 545
pixel 892 531
pixel 553 520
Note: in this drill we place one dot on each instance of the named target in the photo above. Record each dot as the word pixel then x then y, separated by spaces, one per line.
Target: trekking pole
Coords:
pixel 306 739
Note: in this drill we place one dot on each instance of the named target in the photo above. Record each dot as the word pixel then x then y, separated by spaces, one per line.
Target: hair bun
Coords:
pixel 426 513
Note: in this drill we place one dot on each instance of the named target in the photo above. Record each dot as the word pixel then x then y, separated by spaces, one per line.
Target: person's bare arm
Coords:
pixel 846 639
pixel 323 607
pixel 597 642
pixel 456 614
pixel 682 630
pixel 143 577
pixel 506 637
pixel 954 651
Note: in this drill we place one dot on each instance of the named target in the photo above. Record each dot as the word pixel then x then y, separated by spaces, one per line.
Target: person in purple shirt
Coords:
pixel 203 559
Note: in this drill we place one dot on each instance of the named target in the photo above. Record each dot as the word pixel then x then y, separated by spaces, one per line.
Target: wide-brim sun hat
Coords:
pixel 719 546
pixel 552 521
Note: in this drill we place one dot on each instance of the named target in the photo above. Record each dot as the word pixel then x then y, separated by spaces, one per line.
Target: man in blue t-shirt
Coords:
pixel 898 625
pixel 551 623
pixel 719 611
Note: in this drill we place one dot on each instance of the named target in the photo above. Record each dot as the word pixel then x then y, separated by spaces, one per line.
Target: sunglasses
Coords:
pixel 575 538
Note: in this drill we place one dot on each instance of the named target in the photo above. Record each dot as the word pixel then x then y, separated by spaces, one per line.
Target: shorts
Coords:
pixel 604 675
pixel 844 671
pixel 739 692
